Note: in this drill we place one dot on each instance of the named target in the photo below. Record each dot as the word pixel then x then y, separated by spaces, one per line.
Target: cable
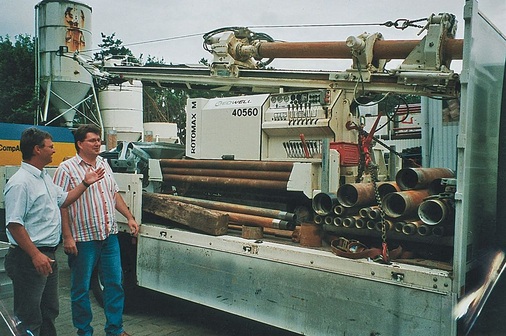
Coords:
pixel 398 24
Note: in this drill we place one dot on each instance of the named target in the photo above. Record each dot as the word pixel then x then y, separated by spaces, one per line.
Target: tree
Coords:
pixel 18 101
pixel 111 47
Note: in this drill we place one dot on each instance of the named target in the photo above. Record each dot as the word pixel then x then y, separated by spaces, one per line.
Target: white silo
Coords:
pixel 65 82
pixel 121 109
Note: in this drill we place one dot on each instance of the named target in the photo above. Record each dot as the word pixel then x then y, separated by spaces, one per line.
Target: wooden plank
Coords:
pixel 193 216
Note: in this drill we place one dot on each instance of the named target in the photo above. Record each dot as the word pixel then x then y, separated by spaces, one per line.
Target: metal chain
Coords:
pixel 374 177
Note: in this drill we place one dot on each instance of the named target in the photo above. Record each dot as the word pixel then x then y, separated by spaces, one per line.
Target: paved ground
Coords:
pixel 157 314
pixel 161 315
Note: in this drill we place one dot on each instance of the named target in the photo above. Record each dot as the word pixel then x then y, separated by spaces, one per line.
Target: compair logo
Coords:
pixel 5 148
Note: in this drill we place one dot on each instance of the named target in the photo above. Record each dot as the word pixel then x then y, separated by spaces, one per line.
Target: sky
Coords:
pixel 178 25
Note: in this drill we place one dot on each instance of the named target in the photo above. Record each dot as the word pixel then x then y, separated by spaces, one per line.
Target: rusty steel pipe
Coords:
pixel 387 187
pixel 239 208
pixel 356 194
pixel 323 203
pixel 247 174
pixel 436 187
pixel 435 211
pixel 403 203
pixel 227 182
pixel 420 178
pixel 383 49
pixel 228 164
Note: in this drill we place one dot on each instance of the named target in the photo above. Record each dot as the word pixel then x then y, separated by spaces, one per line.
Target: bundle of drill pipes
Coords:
pixel 243 214
pixel 268 175
pixel 238 208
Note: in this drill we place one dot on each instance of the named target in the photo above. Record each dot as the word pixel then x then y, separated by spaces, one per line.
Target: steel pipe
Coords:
pixel 247 174
pixel 399 225
pixel 410 228
pixel 329 220
pixel 271 231
pixel 227 182
pixel 435 211
pixel 403 203
pixel 356 194
pixel 340 210
pixel 374 212
pixel 419 178
pixel 389 225
pixel 360 222
pixel 350 221
pixel 239 208
pixel 435 187
pixel 317 219
pixel 370 224
pixel 323 203
pixel 228 164
pixel 438 230
pixel 383 49
pixel 338 221
pixel 387 187
pixel 424 230
pixel 363 212
pixel 265 222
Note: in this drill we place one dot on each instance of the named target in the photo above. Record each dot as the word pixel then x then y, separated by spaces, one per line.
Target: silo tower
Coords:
pixel 62 28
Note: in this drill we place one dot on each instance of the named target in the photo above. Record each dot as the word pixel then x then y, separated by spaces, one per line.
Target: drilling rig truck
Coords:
pixel 284 207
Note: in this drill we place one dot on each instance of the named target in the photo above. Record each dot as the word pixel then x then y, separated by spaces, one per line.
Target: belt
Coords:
pixel 40 248
pixel 47 248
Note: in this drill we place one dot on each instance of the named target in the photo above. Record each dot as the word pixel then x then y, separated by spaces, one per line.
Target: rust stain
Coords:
pixel 75 20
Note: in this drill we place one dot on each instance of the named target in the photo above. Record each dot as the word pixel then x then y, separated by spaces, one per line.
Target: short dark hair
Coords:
pixel 30 138
pixel 81 131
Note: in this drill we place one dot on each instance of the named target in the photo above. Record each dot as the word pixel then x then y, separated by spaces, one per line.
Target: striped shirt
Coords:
pixel 92 216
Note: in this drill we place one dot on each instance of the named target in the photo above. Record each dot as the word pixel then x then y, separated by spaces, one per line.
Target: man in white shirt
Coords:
pixel 32 211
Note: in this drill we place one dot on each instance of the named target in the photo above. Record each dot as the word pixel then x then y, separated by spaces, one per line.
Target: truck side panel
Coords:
pixel 294 290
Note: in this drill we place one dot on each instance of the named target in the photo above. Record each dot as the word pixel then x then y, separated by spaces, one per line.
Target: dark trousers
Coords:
pixel 35 296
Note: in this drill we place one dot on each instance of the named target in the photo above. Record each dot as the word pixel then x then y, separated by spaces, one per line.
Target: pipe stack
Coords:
pixel 410 207
pixel 264 175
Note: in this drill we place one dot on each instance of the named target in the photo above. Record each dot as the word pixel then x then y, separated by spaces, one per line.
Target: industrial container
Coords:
pixel 63 26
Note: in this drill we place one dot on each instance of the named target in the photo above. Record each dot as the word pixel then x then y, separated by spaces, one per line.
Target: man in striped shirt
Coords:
pixel 32 214
pixel 90 234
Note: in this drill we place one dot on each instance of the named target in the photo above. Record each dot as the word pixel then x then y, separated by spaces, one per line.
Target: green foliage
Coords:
pixel 17 87
pixel 112 47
